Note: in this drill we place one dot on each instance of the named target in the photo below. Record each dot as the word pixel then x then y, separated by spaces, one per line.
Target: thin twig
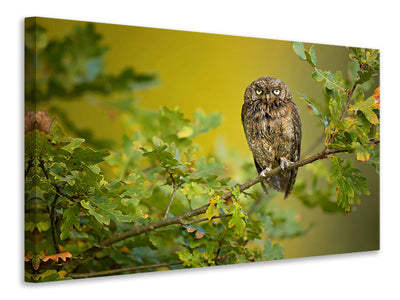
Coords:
pixel 53 223
pixel 218 251
pixel 349 96
pixel 117 271
pixel 148 168
pixel 52 209
pixel 46 173
pixel 170 201
pixel 30 163
pixel 175 187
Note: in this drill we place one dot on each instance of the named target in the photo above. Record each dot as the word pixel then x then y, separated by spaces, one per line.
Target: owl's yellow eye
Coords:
pixel 258 91
pixel 276 92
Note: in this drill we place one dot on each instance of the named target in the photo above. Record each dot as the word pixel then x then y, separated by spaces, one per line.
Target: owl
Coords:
pixel 272 126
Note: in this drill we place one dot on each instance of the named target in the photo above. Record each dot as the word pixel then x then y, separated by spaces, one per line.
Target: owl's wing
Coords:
pixel 295 153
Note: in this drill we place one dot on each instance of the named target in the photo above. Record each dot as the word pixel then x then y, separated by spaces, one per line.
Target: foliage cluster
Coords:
pixel 351 124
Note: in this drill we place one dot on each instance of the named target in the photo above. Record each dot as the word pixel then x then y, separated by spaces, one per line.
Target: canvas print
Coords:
pixel 150 149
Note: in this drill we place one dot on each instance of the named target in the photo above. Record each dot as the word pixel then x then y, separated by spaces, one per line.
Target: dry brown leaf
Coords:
pixel 63 256
pixel 39 120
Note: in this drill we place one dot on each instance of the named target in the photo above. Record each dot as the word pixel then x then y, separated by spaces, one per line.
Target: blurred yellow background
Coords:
pixel 211 72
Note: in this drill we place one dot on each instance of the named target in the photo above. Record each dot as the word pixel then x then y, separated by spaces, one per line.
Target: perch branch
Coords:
pixel 184 222
pixel 181 219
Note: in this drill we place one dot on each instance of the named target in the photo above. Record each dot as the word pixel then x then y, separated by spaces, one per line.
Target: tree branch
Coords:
pixel 181 219
pixel 46 173
pixel 117 271
pixel 52 214
pixel 184 222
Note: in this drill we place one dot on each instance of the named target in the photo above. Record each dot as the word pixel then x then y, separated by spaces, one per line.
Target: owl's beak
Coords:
pixel 267 97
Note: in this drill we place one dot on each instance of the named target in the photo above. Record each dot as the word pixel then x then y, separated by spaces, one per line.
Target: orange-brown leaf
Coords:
pixel 125 249
pixel 190 229
pixel 228 201
pixel 377 97
pixel 63 256
pixel 199 235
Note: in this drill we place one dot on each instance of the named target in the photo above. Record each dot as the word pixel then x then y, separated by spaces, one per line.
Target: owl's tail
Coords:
pixel 264 187
pixel 290 183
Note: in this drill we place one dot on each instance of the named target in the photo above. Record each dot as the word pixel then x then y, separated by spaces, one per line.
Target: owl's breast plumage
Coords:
pixel 269 130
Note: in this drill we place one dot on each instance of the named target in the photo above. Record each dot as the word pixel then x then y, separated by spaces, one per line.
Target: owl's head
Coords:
pixel 268 90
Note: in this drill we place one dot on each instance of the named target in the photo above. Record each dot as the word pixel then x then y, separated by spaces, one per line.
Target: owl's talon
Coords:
pixel 265 171
pixel 285 163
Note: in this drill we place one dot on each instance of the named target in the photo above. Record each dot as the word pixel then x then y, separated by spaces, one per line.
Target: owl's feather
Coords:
pixel 272 125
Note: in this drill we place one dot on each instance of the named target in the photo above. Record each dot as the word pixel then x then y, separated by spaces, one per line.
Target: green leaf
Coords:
pixel 316 112
pixel 286 224
pixel 193 190
pixel 272 251
pixel 362 153
pixel 185 132
pixel 206 170
pixel 87 156
pixel 374 160
pixel 157 141
pixel 369 62
pixel 104 210
pixel 138 187
pixel 316 190
pixel 311 57
pixel 332 81
pixel 115 185
pixel 75 143
pixel 237 221
pixel 298 48
pixel 70 179
pixel 173 125
pixel 203 123
pixel 367 107
pixel 70 220
pixel 212 210
pixel 317 76
pixel 349 183
pixel 162 155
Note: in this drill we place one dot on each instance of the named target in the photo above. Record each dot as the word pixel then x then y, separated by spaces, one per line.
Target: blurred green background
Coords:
pixel 208 71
